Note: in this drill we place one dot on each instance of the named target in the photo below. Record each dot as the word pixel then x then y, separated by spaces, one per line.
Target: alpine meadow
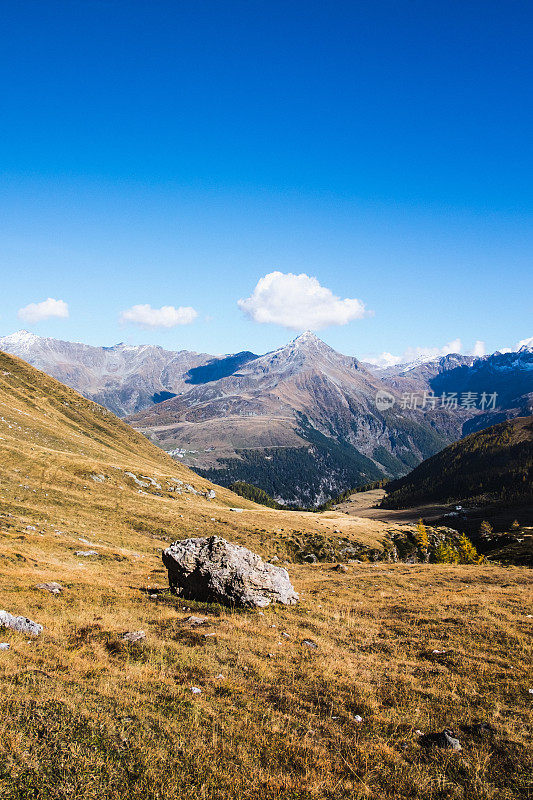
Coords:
pixel 266 401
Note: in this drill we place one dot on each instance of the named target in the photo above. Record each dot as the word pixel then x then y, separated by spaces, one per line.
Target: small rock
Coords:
pixel 340 568
pixel 311 558
pixel 195 621
pixel 4 645
pixel 134 636
pixel 84 553
pixel 21 624
pixel 237 510
pixel 358 718
pixel 196 690
pixel 211 494
pixel 309 643
pixel 52 587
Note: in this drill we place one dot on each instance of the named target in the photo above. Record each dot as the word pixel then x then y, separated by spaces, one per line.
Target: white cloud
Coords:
pixel 422 354
pixel 383 360
pixel 164 317
pixel 299 302
pixel 478 349
pixel 35 312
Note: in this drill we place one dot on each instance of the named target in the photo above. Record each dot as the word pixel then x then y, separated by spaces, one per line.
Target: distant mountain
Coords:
pixel 123 378
pixel 490 466
pixel 300 422
pixel 418 375
pixel 508 375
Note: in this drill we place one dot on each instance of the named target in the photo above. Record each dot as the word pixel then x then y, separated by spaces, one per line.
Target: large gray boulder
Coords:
pixel 215 570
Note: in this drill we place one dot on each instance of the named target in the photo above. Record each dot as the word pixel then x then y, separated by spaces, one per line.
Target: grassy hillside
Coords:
pixel 86 714
pixel 492 466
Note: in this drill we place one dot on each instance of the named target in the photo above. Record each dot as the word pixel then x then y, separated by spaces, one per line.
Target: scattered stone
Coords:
pixel 237 510
pixel 85 553
pixel 136 480
pixel 151 481
pixel 358 718
pixel 134 636
pixel 98 478
pixel 52 587
pixel 309 643
pixel 340 568
pixel 4 645
pixel 211 494
pixel 196 690
pixel 21 624
pixel 194 622
pixel 214 570
pixel 311 558
pixel 446 739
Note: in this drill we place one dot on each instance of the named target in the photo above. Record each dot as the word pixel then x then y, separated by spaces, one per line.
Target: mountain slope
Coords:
pixel 65 457
pixel 293 702
pixel 301 404
pixel 494 465
pixel 122 378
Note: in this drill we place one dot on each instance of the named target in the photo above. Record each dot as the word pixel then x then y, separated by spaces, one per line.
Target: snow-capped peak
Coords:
pixel 306 337
pixel 21 337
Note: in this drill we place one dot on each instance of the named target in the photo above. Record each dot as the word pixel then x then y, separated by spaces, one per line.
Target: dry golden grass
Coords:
pixel 86 715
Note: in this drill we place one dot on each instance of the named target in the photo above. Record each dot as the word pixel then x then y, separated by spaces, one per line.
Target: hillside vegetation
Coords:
pixel 395 648
pixel 492 466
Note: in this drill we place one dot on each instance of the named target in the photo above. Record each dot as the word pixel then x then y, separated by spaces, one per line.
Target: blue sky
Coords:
pixel 174 154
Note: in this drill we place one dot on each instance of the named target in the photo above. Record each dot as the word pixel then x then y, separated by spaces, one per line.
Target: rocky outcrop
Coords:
pixel 214 570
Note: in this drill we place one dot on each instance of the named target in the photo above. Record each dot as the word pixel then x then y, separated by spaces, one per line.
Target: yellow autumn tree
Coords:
pixel 421 536
pixel 467 552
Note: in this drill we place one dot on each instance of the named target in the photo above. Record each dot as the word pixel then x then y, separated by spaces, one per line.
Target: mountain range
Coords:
pixel 301 422
pixel 494 465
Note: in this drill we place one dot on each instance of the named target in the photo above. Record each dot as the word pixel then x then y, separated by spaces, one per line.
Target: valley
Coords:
pixel 399 651
pixel 303 409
